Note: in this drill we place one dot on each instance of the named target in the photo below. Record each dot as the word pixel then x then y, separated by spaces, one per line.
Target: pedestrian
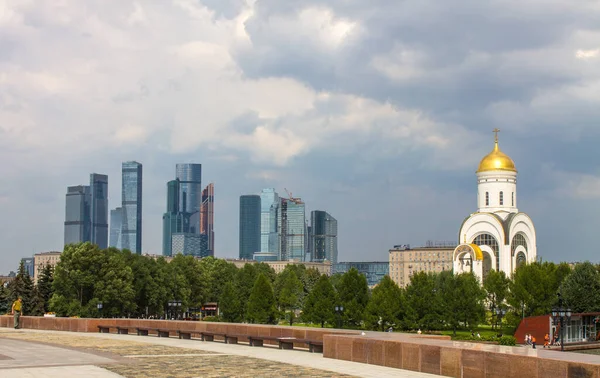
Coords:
pixel 547 341
pixel 528 336
pixel 17 309
pixel 419 331
pixel 533 341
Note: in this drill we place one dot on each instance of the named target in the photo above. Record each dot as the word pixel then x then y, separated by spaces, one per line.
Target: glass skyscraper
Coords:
pixel 131 196
pixel 269 236
pixel 77 214
pixel 190 192
pixel 291 226
pixel 116 224
pixel 207 218
pixel 250 226
pixel 99 209
pixel 323 237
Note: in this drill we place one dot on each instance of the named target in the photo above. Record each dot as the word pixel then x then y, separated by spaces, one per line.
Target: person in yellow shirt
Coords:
pixel 17 309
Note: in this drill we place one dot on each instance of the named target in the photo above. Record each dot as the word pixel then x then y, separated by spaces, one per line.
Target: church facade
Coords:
pixel 497 236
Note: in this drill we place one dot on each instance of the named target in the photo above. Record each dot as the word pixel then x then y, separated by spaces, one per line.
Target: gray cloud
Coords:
pixel 377 112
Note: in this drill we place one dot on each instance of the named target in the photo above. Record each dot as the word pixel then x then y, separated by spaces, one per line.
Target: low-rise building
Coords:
pixel 404 261
pixel 373 270
pixel 279 266
pixel 40 260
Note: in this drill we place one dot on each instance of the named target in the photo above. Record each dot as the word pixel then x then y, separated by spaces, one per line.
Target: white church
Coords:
pixel 497 236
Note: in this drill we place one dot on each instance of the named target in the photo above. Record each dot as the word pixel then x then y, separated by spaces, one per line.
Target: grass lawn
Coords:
pixel 484 331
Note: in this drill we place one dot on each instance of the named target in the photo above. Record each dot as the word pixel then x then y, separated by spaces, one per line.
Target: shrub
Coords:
pixel 211 319
pixel 507 340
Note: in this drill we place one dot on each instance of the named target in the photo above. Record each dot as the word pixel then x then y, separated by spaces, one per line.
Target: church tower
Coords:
pixel 497 236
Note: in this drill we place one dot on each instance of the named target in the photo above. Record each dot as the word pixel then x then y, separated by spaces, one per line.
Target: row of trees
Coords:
pixel 131 285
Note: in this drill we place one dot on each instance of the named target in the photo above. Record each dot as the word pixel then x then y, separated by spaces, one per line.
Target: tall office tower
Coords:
pixel 28 265
pixel 269 204
pixel 99 209
pixel 250 229
pixel 291 226
pixel 174 221
pixel 131 197
pixel 207 218
pixel 324 239
pixel 116 225
pixel 77 214
pixel 190 192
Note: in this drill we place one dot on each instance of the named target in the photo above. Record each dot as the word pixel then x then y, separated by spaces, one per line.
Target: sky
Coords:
pixel 377 112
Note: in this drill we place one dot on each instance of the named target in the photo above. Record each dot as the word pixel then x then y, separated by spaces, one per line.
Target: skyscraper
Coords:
pixel 207 219
pixel 99 209
pixel 190 192
pixel 174 221
pixel 324 245
pixel 131 197
pixel 116 224
pixel 77 214
pixel 250 225
pixel 269 237
pixel 291 226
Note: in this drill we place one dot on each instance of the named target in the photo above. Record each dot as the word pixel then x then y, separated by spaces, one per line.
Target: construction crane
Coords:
pixel 292 198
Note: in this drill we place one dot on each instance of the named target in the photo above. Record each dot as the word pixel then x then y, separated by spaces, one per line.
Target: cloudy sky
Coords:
pixel 376 111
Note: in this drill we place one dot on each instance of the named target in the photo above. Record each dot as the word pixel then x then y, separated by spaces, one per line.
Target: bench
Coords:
pixel 163 332
pixel 185 334
pixel 258 340
pixel 142 331
pixel 124 330
pixel 104 329
pixel 314 346
pixel 210 336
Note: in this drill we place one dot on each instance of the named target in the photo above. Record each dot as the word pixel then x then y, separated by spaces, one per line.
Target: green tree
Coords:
pixel 320 303
pixel 230 305
pixel 423 309
pixel 534 286
pixel 4 298
pixel 261 304
pixel 44 286
pixel 114 286
pixel 291 295
pixel 22 286
pixel 217 272
pixel 353 294
pixel 463 299
pixel 385 306
pixel 581 288
pixel 244 282
pixel 496 287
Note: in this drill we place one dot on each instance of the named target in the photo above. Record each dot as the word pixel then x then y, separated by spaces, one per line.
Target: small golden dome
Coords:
pixel 496 161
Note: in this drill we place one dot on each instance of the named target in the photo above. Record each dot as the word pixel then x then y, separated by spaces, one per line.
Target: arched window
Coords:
pixel 517 240
pixel 501 198
pixel 490 241
pixel 521 260
pixel 513 199
pixel 487 199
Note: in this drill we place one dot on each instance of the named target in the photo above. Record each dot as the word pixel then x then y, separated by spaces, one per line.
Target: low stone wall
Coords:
pixel 423 353
pixel 91 325
pixel 458 359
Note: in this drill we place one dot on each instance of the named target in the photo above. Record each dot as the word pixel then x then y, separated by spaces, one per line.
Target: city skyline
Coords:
pixel 371 116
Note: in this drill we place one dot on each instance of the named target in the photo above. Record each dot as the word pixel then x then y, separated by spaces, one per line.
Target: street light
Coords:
pixel 500 312
pixel 174 305
pixel 99 307
pixel 339 310
pixel 558 316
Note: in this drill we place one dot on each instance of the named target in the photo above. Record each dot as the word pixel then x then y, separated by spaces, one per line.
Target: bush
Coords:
pixel 507 340
pixel 211 319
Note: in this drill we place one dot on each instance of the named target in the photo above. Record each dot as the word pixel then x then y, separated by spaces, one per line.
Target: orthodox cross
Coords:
pixel 496 131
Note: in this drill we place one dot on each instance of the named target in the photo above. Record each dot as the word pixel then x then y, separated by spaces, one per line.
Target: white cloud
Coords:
pixel 587 54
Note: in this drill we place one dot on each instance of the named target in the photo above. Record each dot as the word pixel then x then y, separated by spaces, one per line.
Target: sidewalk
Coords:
pixel 294 357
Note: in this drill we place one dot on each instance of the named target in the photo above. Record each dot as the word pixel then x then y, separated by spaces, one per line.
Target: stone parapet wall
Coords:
pixel 458 359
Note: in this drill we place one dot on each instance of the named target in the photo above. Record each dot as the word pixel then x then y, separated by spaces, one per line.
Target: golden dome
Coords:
pixel 496 161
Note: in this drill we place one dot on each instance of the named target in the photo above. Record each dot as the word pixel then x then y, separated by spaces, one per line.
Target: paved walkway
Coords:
pixel 25 359
pixel 294 357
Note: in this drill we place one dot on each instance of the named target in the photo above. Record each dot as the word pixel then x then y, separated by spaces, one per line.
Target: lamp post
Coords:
pixel 558 316
pixel 99 307
pixel 338 311
pixel 500 312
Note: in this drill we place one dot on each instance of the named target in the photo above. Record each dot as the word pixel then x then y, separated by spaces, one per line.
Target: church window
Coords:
pixel 513 199
pixel 487 199
pixel 518 240
pixel 501 198
pixel 490 241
